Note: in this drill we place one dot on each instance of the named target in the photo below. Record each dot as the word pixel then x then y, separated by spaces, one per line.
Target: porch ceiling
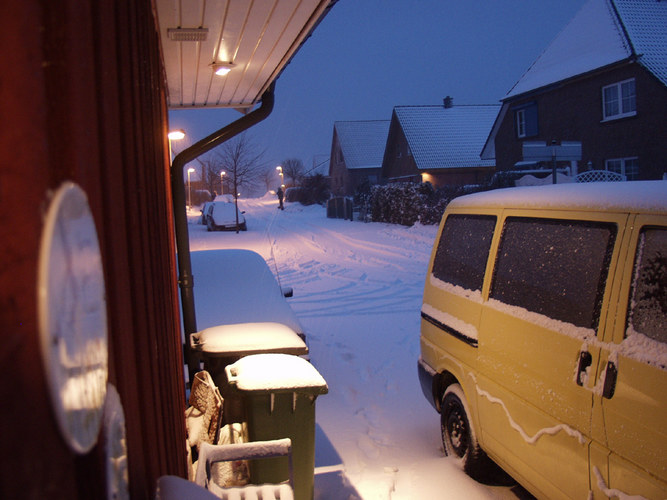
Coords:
pixel 259 37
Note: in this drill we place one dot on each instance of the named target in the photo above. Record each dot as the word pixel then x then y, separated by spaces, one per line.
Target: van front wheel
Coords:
pixel 458 436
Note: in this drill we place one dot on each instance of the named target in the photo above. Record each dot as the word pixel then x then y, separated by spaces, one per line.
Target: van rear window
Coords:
pixel 463 250
pixel 557 268
pixel 648 307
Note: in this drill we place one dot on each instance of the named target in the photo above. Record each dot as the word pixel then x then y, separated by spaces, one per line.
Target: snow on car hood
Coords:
pixel 237 286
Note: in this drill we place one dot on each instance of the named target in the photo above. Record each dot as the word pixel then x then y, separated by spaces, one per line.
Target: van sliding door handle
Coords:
pixel 610 376
pixel 585 360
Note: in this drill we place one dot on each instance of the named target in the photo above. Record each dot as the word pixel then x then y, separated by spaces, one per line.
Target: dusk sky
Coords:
pixel 368 56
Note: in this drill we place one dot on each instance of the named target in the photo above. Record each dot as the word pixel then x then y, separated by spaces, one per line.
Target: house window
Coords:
pixel 619 100
pixel 626 166
pixel 525 118
pixel 521 123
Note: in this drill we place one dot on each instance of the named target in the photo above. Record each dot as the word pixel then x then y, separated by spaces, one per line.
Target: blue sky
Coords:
pixel 368 56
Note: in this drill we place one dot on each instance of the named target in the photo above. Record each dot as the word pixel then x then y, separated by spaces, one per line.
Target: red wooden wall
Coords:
pixel 82 98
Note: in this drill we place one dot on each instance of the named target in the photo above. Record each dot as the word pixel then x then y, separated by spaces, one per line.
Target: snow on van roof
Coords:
pixel 635 196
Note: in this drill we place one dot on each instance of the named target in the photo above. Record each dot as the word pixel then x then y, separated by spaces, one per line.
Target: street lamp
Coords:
pixel 222 184
pixel 190 170
pixel 280 173
pixel 174 135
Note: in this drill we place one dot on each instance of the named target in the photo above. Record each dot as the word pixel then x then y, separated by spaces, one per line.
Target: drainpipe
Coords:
pixel 185 278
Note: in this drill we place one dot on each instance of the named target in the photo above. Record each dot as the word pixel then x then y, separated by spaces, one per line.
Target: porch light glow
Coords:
pixel 222 68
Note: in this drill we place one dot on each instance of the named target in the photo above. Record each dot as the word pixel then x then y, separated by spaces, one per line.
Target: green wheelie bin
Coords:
pixel 278 393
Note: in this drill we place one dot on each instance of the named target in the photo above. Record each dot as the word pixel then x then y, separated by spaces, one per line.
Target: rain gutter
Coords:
pixel 185 278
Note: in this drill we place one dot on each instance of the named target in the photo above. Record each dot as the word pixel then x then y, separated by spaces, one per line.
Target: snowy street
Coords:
pixel 357 291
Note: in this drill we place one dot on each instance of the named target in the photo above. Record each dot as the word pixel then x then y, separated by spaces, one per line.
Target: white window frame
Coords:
pixel 632 176
pixel 621 112
pixel 520 123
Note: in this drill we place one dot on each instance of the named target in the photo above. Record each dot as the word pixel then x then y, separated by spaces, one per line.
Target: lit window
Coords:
pixel 619 100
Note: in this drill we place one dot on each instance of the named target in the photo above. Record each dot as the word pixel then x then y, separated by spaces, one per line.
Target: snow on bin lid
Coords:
pixel 276 373
pixel 248 338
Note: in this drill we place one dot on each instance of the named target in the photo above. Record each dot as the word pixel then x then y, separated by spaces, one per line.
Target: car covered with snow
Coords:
pixel 237 286
pixel 204 210
pixel 223 215
pixel 544 336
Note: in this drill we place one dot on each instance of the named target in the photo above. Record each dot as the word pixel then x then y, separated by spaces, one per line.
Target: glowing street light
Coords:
pixel 174 135
pixel 222 184
pixel 280 173
pixel 190 170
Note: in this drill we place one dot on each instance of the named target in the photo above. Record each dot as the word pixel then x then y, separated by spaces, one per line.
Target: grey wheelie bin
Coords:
pixel 278 393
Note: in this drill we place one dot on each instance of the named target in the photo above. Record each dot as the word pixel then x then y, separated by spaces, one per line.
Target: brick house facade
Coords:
pixel 573 109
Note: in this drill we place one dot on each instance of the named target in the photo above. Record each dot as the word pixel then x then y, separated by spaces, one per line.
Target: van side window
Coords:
pixel 648 304
pixel 463 250
pixel 557 268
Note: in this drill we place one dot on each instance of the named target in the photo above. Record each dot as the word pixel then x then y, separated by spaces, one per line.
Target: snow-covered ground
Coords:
pixel 357 291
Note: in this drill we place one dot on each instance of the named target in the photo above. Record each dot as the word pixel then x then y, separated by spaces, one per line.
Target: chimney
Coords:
pixel 449 102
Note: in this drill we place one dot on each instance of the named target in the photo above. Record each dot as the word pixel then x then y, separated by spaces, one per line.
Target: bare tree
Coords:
pixel 294 169
pixel 269 178
pixel 210 174
pixel 241 161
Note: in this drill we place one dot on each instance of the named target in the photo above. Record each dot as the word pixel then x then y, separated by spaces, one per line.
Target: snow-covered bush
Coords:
pixel 406 202
pixel 313 189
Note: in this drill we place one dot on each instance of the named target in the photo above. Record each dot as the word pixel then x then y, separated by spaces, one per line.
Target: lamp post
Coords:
pixel 174 135
pixel 222 184
pixel 190 170
pixel 280 173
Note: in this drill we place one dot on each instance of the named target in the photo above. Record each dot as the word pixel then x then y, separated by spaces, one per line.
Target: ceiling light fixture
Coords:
pixel 222 68
pixel 187 34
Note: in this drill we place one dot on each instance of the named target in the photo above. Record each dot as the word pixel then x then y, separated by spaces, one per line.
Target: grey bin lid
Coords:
pixel 273 373
pixel 243 339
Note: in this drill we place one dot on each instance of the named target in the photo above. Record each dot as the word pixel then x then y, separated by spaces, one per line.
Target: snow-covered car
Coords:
pixel 204 210
pixel 221 216
pixel 237 286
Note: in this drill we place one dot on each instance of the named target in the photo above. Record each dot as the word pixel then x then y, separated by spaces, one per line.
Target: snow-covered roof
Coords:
pixel 602 33
pixel 441 137
pixel 636 196
pixel 645 22
pixel 362 142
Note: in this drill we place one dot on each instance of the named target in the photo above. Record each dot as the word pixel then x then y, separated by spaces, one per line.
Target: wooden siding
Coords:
pixel 85 101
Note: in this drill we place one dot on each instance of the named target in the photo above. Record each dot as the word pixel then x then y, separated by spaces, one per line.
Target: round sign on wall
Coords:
pixel 72 317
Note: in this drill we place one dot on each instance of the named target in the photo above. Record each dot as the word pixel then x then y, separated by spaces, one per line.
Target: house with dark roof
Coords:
pixel 357 149
pixel 601 82
pixel 439 144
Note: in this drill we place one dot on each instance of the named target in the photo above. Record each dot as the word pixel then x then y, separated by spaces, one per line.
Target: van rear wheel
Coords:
pixel 458 436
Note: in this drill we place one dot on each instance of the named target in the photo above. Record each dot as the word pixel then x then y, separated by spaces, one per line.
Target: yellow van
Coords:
pixel 544 337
